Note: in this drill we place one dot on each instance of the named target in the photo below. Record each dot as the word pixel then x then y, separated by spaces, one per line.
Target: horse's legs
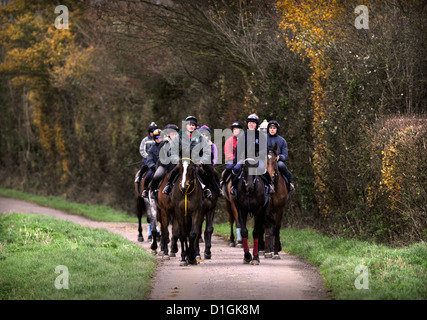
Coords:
pixel 139 210
pixel 175 237
pixel 244 231
pixel 208 233
pixel 195 232
pixel 257 233
pixel 231 220
pixel 277 245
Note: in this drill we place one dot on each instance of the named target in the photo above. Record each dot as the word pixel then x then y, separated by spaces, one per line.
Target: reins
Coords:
pixel 187 192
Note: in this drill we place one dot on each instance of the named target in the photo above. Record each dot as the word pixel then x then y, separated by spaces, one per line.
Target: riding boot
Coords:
pixel 172 178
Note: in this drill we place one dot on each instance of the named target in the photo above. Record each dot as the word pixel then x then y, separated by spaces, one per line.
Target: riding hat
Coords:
pixel 172 126
pixel 152 127
pixel 253 118
pixel 157 133
pixel 236 124
pixel 205 127
pixel 191 119
pixel 273 123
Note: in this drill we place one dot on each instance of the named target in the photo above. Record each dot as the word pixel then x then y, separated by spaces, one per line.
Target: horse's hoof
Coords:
pixel 166 257
pixel 268 255
pixel 255 261
pixel 140 239
pixel 232 244
pixel 276 256
pixel 193 262
pixel 154 252
pixel 183 264
pixel 247 258
pixel 208 256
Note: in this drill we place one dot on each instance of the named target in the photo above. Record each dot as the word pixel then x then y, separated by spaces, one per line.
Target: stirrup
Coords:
pixel 232 191
pixel 207 193
pixel 271 188
pixel 291 186
pixel 144 193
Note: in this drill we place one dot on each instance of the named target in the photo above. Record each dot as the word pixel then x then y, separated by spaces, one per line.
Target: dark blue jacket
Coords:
pixel 153 155
pixel 282 146
pixel 250 145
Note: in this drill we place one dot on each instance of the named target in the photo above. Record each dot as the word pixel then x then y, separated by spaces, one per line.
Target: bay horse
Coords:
pixel 233 215
pixel 187 201
pixel 163 211
pixel 276 204
pixel 250 199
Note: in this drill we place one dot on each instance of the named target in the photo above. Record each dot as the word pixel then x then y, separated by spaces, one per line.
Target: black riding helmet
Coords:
pixel 253 118
pixel 191 119
pixel 273 123
pixel 152 127
pixel 236 124
pixel 171 126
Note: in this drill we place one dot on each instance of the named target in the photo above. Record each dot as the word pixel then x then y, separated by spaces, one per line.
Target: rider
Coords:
pixel 152 158
pixel 162 168
pixel 230 150
pixel 206 132
pixel 145 145
pixel 273 139
pixel 252 143
pixel 182 146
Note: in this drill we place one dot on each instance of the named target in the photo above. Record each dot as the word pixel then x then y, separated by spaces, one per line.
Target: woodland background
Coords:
pixel 75 103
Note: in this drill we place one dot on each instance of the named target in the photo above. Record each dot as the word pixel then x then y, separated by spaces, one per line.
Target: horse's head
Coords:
pixel 188 172
pixel 249 180
pixel 272 160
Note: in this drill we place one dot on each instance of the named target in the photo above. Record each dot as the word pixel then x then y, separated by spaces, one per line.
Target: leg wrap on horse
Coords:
pixel 245 245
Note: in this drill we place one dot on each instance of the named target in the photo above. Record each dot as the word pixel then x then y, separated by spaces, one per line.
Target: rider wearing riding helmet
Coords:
pixel 144 147
pixel 169 132
pixel 273 138
pixel 152 158
pixel 182 147
pixel 253 144
pixel 230 150
pixel 206 132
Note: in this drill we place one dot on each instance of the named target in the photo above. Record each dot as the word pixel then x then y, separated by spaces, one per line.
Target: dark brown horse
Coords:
pixel 208 210
pixel 141 205
pixel 250 199
pixel 187 201
pixel 233 215
pixel 276 205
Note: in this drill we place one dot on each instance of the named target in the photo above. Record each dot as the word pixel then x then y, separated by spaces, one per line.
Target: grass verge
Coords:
pixel 390 273
pixel 101 265
pixel 94 212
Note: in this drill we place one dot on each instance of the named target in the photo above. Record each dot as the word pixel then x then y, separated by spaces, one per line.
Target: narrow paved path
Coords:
pixel 224 277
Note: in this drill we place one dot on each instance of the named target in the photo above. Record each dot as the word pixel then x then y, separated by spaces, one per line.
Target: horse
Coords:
pixel 250 198
pixel 187 201
pixel 141 204
pixel 163 211
pixel 276 204
pixel 233 215
pixel 208 211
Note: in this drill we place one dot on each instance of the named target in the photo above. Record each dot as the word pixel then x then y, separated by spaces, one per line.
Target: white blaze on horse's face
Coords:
pixel 184 173
pixel 270 156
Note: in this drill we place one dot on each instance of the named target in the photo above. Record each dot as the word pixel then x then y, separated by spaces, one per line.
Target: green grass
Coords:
pixel 393 273
pixel 101 265
pixel 94 212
